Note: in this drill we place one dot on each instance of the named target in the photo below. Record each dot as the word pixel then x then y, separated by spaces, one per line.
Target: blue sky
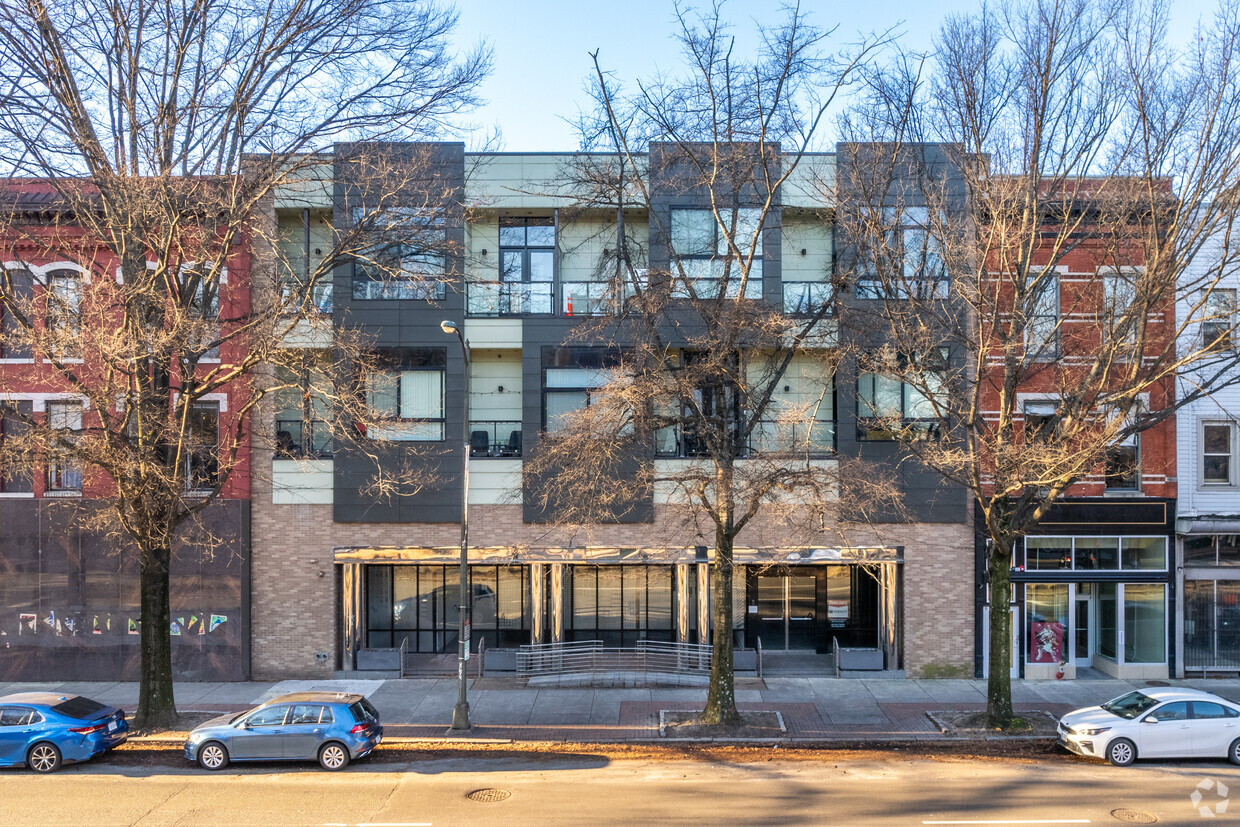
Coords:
pixel 542 48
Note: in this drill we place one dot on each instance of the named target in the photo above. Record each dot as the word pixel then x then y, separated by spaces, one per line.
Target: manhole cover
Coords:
pixel 1134 816
pixel 488 795
pixel 1157 683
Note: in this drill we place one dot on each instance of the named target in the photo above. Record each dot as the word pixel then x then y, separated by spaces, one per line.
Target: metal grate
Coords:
pixel 488 795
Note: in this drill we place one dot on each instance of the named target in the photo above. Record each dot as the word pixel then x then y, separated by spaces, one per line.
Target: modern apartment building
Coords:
pixel 339 571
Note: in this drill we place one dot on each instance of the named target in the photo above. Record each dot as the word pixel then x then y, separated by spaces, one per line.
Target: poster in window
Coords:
pixel 1046 642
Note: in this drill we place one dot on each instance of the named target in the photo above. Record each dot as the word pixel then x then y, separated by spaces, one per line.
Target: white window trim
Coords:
pixel 1233 483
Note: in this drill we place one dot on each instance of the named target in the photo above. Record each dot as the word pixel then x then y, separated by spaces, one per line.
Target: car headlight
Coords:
pixel 1095 730
pixel 195 737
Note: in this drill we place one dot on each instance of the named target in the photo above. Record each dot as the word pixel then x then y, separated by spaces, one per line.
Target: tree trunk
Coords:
pixel 156 704
pixel 721 698
pixel 999 685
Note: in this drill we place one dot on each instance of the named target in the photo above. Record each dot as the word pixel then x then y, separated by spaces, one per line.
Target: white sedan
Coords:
pixel 1155 723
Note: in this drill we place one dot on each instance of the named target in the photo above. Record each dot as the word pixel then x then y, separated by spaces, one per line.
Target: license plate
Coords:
pixel 112 727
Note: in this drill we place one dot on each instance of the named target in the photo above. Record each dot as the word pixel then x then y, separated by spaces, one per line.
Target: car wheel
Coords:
pixel 1233 752
pixel 212 756
pixel 333 756
pixel 43 757
pixel 1121 752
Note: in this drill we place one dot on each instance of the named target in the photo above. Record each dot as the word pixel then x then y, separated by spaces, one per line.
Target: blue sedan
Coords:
pixel 42 730
pixel 332 728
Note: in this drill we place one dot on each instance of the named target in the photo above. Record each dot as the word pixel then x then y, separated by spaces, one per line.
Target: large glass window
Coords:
pixel 700 246
pixel 526 265
pixel 889 408
pixel 570 375
pixel 905 261
pixel 1212 624
pixel 304 416
pixel 1145 623
pixel 1046 605
pixel 701 420
pixel 1090 553
pixel 417 605
pixel 407 399
pixel 407 258
pixel 1108 620
pixel 618 605
pixel 16 468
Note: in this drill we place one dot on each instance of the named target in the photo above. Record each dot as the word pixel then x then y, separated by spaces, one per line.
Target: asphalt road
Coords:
pixel 591 789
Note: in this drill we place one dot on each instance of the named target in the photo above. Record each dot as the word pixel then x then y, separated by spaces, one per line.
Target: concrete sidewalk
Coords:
pixel 504 708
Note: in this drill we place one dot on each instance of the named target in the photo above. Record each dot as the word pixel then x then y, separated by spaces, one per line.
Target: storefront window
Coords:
pixel 1145 623
pixel 1097 553
pixel 1144 552
pixel 1199 551
pixel 1047 607
pixel 1107 620
pixel 1229 549
pixel 1048 553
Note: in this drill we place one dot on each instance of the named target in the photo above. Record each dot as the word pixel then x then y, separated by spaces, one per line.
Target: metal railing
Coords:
pixel 495 438
pixel 509 298
pixel 590 659
pixel 803 298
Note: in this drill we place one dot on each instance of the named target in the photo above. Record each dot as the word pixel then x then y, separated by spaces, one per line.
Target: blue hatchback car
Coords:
pixel 45 729
pixel 333 728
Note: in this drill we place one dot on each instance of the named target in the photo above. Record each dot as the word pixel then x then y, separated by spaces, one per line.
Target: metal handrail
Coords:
pixel 592 657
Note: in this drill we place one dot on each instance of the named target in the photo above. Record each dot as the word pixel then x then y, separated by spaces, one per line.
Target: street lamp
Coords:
pixel 460 713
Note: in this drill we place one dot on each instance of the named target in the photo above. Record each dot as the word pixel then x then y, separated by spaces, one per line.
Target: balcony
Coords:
pixel 509 298
pixel 771 436
pixel 299 439
pixel 495 438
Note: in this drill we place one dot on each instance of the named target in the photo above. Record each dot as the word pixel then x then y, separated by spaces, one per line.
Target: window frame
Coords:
pixel 61 313
pixel 901 225
pixel 60 463
pixel 202 454
pixel 908 403
pixel 1045 308
pixel 700 266
pixel 1207 484
pixel 1213 338
pixel 424 233
pixel 409 360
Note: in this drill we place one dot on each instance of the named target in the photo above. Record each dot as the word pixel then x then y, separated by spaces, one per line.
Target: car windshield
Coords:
pixel 1130 705
pixel 80 708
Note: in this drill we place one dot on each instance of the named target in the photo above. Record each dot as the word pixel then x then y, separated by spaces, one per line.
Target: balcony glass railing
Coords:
pixel 803 298
pixel 503 298
pixel 320 300
pixel 495 438
pixel 301 439
pixel 785 437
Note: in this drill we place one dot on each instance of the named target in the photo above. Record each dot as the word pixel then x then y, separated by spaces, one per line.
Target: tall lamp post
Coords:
pixel 460 713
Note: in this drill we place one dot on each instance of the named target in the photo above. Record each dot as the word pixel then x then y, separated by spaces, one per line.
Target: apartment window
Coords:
pixel 570 376
pixel 16 468
pixel 1123 464
pixel 303 410
pixel 1041 420
pixel 1042 319
pixel 18 287
pixel 406 400
pixel 204 311
pixel 526 265
pixel 714 403
pixel 202 441
pixel 889 408
pixel 64 420
pixel 64 313
pixel 1220 320
pixel 701 248
pixel 1119 294
pixel 407 258
pixel 906 261
pixel 1218 445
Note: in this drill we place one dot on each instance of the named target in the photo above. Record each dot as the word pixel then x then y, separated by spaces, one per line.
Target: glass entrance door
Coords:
pixel 786 611
pixel 1083 650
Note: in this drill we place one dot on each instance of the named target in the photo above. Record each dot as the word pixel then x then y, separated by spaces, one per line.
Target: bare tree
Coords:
pixel 700 347
pixel 1083 144
pixel 158 135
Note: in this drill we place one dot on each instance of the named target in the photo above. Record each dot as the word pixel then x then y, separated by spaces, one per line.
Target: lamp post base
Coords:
pixel 460 717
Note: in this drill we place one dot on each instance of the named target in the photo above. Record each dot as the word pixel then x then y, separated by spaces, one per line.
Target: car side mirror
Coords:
pixel 1150 720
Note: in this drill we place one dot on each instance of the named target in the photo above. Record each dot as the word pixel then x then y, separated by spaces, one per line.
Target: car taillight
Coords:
pixel 362 727
pixel 87 730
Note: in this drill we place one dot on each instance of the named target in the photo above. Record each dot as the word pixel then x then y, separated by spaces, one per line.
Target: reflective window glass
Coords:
pixel 1199 551
pixel 1144 552
pixel 1209 709
pixel 268 716
pixel 1177 711
pixel 1145 623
